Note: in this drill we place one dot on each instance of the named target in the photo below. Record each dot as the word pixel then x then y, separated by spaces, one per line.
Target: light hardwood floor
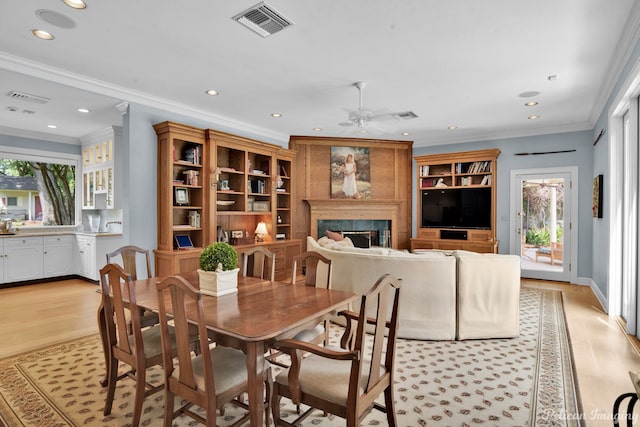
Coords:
pixel 35 316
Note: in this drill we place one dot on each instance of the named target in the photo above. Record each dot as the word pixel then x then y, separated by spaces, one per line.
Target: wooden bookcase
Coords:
pixel 455 172
pixel 252 183
pixel 233 184
pixel 182 197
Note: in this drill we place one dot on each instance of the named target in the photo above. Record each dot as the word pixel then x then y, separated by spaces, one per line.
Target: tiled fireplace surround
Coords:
pixel 354 215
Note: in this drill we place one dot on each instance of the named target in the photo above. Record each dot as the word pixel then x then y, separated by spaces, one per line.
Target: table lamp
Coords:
pixel 261 231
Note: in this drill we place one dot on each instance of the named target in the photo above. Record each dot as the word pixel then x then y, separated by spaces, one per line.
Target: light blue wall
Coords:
pixel 600 241
pixel 508 161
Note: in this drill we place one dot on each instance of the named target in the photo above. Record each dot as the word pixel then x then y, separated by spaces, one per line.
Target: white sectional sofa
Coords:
pixel 444 296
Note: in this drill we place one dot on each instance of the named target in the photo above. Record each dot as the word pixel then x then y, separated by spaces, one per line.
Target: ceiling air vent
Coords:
pixel 405 115
pixel 26 97
pixel 263 19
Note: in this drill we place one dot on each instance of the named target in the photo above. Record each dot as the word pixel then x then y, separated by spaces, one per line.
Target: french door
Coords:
pixel 541 225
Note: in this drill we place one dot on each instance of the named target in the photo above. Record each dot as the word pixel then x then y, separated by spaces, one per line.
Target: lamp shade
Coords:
pixel 261 229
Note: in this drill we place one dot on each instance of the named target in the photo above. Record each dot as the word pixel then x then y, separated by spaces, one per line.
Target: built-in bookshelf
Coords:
pixel 457 201
pixel 182 197
pixel 216 186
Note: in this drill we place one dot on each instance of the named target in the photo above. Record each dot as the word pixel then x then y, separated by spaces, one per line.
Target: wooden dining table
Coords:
pixel 260 313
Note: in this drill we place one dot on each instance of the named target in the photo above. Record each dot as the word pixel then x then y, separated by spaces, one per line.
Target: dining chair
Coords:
pixel 346 381
pixel 129 255
pixel 315 269
pixel 127 341
pixel 261 260
pixel 208 380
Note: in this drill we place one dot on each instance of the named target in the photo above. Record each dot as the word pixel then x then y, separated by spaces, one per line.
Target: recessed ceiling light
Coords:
pixel 212 92
pixel 28 112
pixel 405 133
pixel 317 129
pixel 84 110
pixel 276 115
pixel 56 19
pixel 452 127
pixel 529 94
pixel 533 117
pixel 362 131
pixel 41 34
pixel 531 104
pixel 52 126
pixel 76 4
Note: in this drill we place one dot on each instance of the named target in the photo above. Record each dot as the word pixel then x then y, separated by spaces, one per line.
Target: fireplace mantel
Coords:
pixel 354 209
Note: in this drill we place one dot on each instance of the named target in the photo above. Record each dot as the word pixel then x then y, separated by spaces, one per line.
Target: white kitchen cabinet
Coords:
pixel 87 257
pixel 93 249
pixel 99 160
pixel 58 256
pixel 23 259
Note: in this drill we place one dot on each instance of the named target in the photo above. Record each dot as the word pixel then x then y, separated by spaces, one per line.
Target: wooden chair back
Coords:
pixel 183 296
pixel 369 342
pixel 122 308
pixel 195 379
pixel 383 299
pixel 314 267
pixel 125 339
pixel 259 262
pixel 129 255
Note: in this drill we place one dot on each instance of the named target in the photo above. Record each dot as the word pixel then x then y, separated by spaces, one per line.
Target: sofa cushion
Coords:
pixel 488 296
pixel 328 243
pixel 334 236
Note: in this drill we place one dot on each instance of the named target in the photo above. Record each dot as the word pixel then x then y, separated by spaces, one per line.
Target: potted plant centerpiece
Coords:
pixel 218 270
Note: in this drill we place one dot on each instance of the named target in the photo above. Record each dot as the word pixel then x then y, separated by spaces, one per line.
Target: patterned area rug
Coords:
pixel 501 382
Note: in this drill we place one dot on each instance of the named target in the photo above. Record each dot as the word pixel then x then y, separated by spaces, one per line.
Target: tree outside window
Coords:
pixel 51 202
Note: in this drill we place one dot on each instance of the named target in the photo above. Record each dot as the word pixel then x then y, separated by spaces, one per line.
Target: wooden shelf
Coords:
pixel 473 170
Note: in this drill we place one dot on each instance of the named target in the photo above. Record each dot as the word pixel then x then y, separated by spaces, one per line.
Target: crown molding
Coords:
pixel 621 55
pixel 43 136
pixel 79 81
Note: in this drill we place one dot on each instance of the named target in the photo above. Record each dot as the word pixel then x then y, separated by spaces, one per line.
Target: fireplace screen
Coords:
pixel 361 239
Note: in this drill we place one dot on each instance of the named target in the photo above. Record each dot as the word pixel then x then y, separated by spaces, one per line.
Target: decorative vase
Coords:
pixel 218 283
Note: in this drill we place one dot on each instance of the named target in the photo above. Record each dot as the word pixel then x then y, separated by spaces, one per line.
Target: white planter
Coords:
pixel 218 283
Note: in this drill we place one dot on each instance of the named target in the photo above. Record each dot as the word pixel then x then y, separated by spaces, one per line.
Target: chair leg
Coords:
pixel 168 407
pixel 389 406
pixel 139 398
pixel 275 407
pixel 268 389
pixel 111 384
pixel 629 413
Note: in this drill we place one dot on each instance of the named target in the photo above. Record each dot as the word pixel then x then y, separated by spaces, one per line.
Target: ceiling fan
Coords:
pixel 363 117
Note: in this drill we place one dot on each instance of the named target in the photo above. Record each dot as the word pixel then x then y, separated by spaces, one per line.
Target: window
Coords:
pixel 38 188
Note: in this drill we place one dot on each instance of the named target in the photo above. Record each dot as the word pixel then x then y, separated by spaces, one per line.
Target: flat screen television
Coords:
pixel 456 208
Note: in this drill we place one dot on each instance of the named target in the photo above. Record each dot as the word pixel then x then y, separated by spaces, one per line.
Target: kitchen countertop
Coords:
pixel 26 233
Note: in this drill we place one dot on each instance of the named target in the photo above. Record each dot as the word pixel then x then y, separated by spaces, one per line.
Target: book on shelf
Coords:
pixel 424 170
pixel 192 154
pixel 191 177
pixel 486 180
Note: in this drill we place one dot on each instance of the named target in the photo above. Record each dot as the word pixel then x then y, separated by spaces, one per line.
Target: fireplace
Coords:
pixel 363 233
pixel 377 216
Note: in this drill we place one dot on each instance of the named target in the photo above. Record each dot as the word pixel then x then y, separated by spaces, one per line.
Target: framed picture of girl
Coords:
pixel 350 173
